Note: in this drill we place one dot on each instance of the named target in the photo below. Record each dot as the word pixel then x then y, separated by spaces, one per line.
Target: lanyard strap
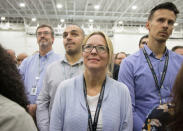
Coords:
pixel 153 72
pixel 93 126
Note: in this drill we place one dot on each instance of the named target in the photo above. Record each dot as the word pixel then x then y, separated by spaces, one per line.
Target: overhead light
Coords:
pixel 176 24
pixel 3 18
pixel 91 20
pixel 59 6
pixel 134 7
pixel 22 4
pixel 120 22
pixel 97 7
pixel 33 19
pixel 62 20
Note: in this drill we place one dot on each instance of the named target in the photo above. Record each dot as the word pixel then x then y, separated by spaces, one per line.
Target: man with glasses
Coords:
pixel 150 73
pixel 33 68
pixel 68 67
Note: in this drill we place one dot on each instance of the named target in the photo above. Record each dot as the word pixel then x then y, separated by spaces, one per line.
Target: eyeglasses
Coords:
pixel 45 33
pixel 100 48
pixel 144 42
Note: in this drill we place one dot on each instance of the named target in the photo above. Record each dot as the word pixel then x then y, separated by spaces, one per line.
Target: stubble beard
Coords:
pixel 44 45
pixel 71 52
pixel 162 40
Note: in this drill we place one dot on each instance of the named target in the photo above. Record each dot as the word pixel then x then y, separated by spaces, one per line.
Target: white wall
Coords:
pixel 129 42
pixel 20 42
pixel 126 42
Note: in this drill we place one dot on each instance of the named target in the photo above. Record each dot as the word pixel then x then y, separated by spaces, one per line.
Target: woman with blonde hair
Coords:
pixel 93 101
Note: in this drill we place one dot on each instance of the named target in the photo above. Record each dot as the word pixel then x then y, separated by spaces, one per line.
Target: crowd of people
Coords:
pixel 91 88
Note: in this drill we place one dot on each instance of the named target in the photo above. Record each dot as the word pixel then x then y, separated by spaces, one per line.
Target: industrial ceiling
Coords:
pixel 102 14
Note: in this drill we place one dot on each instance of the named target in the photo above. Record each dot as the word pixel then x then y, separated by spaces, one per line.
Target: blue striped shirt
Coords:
pixel 32 70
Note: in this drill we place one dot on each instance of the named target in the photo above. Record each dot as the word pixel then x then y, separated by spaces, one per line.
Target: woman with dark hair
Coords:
pixel 13 101
pixel 177 124
pixel 168 117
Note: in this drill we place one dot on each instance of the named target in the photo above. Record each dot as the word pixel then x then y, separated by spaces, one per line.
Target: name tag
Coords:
pixel 33 91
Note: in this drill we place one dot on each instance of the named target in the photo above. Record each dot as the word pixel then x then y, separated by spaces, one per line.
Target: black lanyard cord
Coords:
pixel 154 74
pixel 93 126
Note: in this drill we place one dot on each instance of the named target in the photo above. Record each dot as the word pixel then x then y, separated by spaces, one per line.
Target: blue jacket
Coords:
pixel 69 110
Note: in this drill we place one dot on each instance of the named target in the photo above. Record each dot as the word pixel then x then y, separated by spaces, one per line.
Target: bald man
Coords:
pixel 21 57
pixel 67 67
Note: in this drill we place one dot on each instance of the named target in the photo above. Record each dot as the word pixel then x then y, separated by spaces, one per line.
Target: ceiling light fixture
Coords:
pixel 33 19
pixel 97 7
pixel 22 4
pixel 3 18
pixel 120 22
pixel 91 20
pixel 134 7
pixel 176 24
pixel 62 20
pixel 59 6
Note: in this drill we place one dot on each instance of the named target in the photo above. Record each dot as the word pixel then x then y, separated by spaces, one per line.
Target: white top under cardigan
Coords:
pixel 70 113
pixel 92 102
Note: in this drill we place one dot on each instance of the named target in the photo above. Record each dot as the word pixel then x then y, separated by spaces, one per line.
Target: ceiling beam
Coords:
pixel 131 4
pixel 54 7
pixel 45 13
pixel 20 15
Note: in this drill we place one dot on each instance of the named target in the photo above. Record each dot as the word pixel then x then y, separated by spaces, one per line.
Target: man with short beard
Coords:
pixel 33 68
pixel 68 67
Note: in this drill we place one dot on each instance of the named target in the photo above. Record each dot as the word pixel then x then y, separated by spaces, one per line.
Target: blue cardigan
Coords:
pixel 69 112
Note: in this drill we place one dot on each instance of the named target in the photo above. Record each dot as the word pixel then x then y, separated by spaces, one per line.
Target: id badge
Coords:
pixel 33 91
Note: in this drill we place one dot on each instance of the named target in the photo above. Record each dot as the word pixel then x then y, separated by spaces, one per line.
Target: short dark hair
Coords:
pixel 145 36
pixel 177 47
pixel 116 56
pixel 44 25
pixel 167 5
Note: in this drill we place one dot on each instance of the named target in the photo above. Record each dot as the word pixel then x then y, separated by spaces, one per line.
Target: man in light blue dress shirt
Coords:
pixel 33 68
pixel 146 91
pixel 67 67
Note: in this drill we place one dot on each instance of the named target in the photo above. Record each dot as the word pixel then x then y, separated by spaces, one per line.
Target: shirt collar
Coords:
pixel 150 53
pixel 48 54
pixel 64 60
